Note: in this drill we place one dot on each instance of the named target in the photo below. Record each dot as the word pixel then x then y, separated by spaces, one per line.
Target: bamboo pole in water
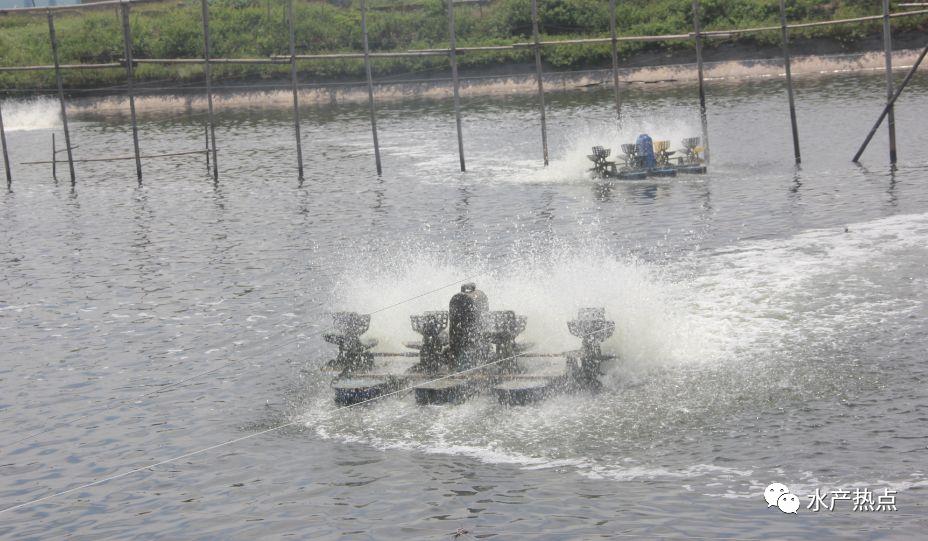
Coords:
pixel 209 89
pixel 6 157
pixel 702 90
pixel 130 86
pixel 784 34
pixel 294 87
pixel 908 77
pixel 615 60
pixel 455 83
pixel 370 85
pixel 538 75
pixel 64 112
pixel 54 158
pixel 888 52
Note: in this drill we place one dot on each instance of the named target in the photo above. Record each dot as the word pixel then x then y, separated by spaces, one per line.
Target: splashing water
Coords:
pixel 548 286
pixel 699 341
pixel 572 165
pixel 31 114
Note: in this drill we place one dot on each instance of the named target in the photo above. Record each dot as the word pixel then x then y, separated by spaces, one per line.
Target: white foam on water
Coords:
pixel 819 281
pixel 548 287
pixel 31 114
pixel 637 473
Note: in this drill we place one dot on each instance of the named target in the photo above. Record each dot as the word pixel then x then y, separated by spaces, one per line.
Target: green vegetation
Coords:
pixel 258 29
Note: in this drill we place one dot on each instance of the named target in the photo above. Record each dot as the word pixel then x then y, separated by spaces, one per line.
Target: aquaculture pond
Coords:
pixel 770 321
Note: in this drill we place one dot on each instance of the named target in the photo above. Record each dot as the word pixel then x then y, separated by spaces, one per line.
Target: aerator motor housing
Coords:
pixel 466 350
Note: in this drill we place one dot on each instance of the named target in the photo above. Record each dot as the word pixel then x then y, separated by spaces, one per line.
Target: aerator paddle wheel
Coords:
pixel 431 325
pixel 592 327
pixel 466 350
pixel 646 158
pixel 601 164
pixel 353 352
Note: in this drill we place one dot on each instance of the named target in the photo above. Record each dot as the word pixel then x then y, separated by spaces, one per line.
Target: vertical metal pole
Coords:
pixel 64 112
pixel 784 32
pixel 888 52
pixel 541 88
pixel 615 60
pixel 54 158
pixel 130 85
pixel 206 139
pixel 209 89
pixel 702 89
pixel 455 82
pixel 294 87
pixel 6 157
pixel 370 85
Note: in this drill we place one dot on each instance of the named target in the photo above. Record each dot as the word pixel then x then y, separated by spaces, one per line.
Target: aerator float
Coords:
pixel 465 350
pixel 645 158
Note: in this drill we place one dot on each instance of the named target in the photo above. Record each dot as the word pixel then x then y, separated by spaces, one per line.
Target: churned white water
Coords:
pixel 713 327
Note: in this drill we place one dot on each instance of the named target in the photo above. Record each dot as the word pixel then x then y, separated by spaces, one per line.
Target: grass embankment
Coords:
pixel 258 29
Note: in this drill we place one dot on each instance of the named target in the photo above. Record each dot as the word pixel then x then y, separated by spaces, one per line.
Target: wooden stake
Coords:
pixel 209 89
pixel 702 89
pixel 908 77
pixel 455 82
pixel 538 75
pixel 130 86
pixel 6 157
pixel 615 60
pixel 370 85
pixel 784 33
pixel 294 86
pixel 888 52
pixel 64 112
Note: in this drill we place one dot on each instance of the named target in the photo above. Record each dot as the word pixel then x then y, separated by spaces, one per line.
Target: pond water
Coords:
pixel 771 322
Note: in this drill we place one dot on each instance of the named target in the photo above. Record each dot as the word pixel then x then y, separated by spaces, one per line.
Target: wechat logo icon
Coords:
pixel 778 495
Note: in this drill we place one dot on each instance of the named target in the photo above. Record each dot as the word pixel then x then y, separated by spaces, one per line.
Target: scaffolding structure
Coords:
pixel 537 45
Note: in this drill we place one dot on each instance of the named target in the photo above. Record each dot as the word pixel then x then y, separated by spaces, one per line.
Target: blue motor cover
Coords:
pixel 646 151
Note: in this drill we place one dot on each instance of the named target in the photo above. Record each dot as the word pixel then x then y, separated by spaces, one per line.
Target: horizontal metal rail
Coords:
pixel 64 67
pixel 187 153
pixel 203 61
pixel 79 7
pixel 722 33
